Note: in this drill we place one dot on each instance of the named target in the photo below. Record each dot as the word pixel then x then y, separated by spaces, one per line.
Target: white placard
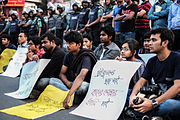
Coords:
pixel 108 90
pixel 30 74
pixel 16 63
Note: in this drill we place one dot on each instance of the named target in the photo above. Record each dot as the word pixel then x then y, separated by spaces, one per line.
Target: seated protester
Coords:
pixel 22 40
pixel 35 51
pixel 53 68
pixel 146 39
pixel 87 42
pixel 129 52
pixel 107 49
pixel 77 67
pixel 6 43
pixel 165 70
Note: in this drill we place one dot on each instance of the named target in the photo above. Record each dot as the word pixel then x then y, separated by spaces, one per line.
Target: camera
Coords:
pixel 151 89
pixel 136 101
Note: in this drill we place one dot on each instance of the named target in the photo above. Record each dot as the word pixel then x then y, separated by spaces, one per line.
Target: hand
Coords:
pixel 69 85
pixel 35 58
pixel 65 31
pixel 66 102
pixel 87 25
pixel 118 58
pixel 82 30
pixel 30 54
pixel 49 30
pixel 132 97
pixel 145 106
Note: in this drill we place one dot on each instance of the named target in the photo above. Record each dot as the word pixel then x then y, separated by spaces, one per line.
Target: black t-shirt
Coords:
pixel 86 64
pixel 128 25
pixel 163 72
pixel 54 66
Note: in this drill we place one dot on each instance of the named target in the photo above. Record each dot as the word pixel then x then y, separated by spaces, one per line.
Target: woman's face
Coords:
pixel 125 51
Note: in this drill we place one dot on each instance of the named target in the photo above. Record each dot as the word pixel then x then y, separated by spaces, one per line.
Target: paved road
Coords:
pixel 10 85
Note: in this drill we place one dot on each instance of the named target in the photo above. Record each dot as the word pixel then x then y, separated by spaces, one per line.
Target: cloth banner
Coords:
pixel 146 57
pixel 108 90
pixel 5 56
pixel 50 101
pixel 15 64
pixel 30 74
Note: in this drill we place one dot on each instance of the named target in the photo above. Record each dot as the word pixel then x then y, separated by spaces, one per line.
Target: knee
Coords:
pixel 42 83
pixel 170 109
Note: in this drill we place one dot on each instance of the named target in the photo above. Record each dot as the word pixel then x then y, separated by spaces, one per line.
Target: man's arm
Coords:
pixel 129 16
pixel 140 83
pixel 77 83
pixel 141 13
pixel 170 93
pixel 63 77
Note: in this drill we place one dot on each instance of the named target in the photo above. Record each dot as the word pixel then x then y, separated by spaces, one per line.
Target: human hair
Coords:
pixel 109 31
pixel 50 36
pixel 133 46
pixel 74 36
pixel 88 36
pixel 58 42
pixel 165 34
pixel 5 36
pixel 25 34
pixel 147 35
pixel 35 40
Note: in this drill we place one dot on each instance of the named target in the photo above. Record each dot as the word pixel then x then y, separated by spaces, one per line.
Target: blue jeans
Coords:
pixel 82 90
pixel 126 36
pixel 169 110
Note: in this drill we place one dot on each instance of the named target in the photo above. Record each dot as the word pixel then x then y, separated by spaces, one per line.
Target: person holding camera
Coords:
pixel 165 70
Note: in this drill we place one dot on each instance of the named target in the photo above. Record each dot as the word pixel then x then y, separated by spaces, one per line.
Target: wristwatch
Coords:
pixel 154 103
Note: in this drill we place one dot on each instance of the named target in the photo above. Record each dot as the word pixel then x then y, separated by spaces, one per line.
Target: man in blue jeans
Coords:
pixel 165 70
pixel 76 69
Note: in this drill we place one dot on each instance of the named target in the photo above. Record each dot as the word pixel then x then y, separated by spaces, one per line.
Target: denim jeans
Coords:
pixel 82 90
pixel 126 36
pixel 169 110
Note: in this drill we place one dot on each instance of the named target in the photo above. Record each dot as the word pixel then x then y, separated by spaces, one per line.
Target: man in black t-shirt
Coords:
pixel 77 67
pixel 127 16
pixel 165 70
pixel 56 55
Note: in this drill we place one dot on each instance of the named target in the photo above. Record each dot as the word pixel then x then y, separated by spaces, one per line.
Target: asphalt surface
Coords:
pixel 8 84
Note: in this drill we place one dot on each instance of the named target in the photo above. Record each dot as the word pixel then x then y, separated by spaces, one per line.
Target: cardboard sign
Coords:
pixel 5 56
pixel 50 101
pixel 15 64
pixel 108 90
pixel 30 74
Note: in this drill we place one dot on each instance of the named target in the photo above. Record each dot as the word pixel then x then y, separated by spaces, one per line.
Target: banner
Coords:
pixel 5 56
pixel 108 90
pixel 50 101
pixel 146 57
pixel 30 74
pixel 15 64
